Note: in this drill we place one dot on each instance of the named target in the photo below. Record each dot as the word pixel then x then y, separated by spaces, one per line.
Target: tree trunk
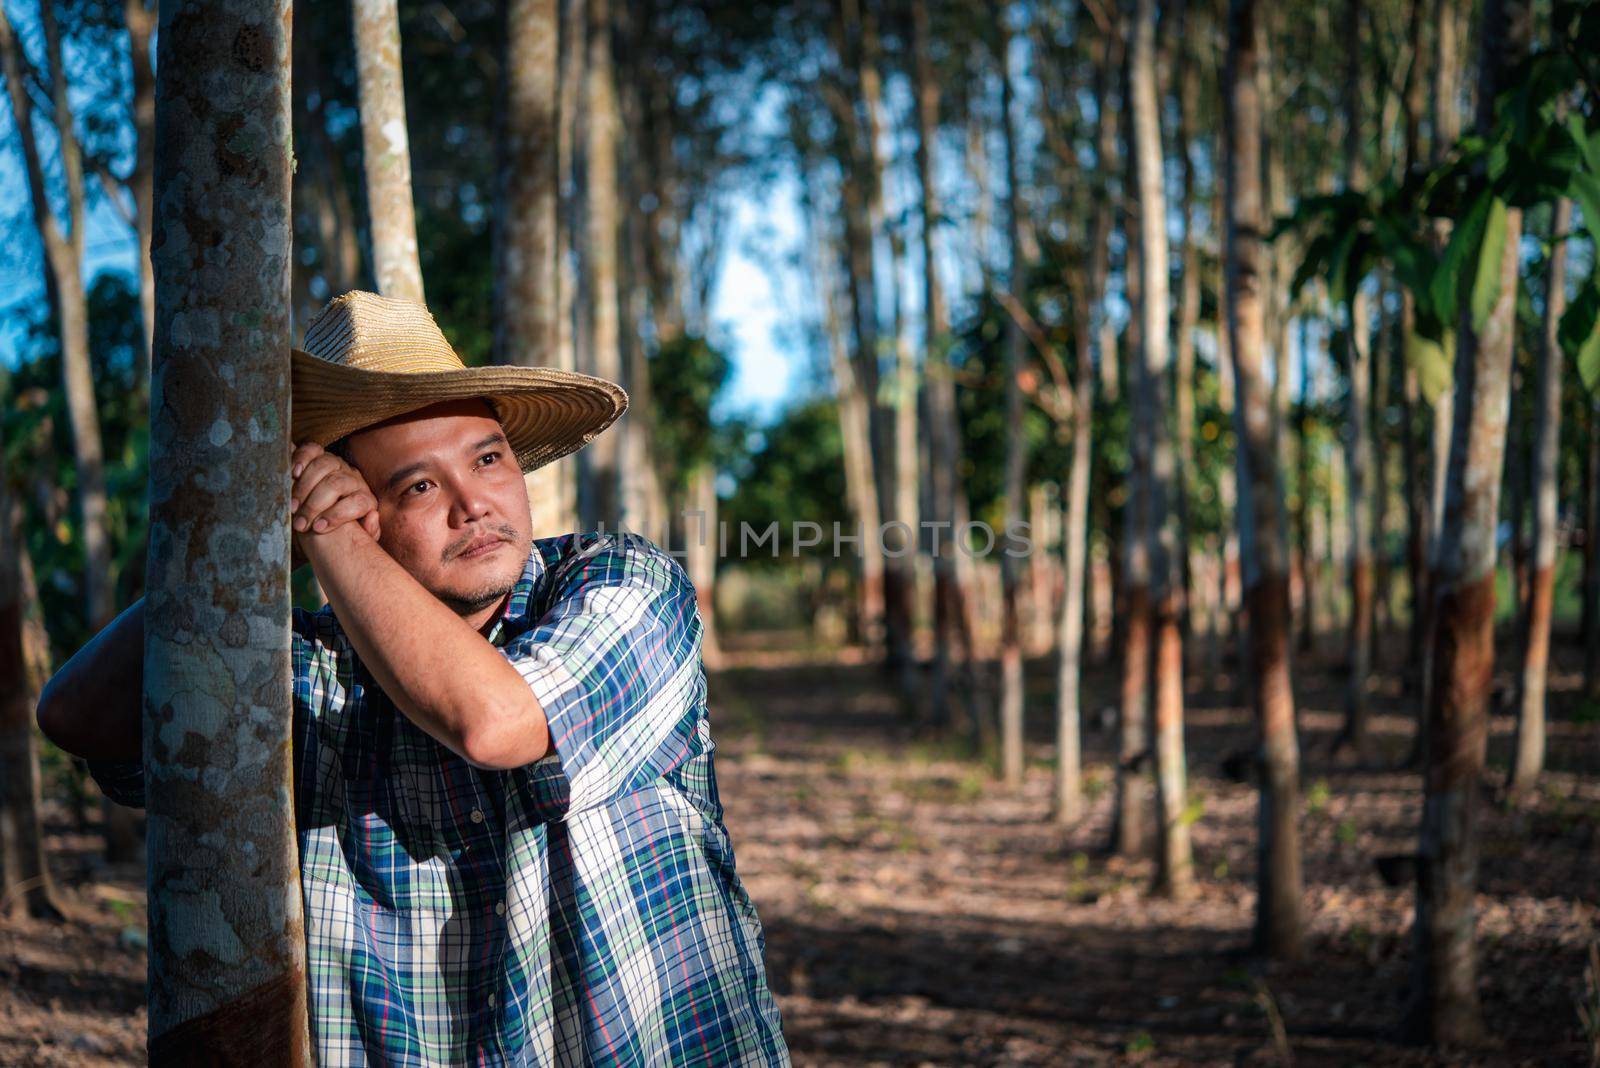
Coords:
pixel 1591 555
pixel 700 558
pixel 1012 698
pixel 64 261
pixel 386 149
pixel 527 290
pixel 1358 429
pixel 1263 522
pixel 227 943
pixel 1075 550
pixel 26 888
pixel 1188 312
pixel 1175 862
pixel 944 430
pixel 1445 1009
pixel 1529 761
pixel 601 499
pixel 141 20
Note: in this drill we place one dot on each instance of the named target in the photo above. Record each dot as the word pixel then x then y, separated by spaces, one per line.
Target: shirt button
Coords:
pixel 500 908
pixel 491 1001
pixel 477 815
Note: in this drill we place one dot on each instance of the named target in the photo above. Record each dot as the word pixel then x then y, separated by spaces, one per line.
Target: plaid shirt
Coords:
pixel 582 909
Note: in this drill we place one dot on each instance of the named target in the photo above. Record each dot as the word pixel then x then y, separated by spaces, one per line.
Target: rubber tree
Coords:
pixel 600 497
pixel 1359 457
pixel 227 942
pixel 527 299
pixel 1175 861
pixel 1445 1008
pixel 949 593
pixel 26 888
pixel 386 149
pixel 1012 698
pixel 1262 510
pixel 1544 461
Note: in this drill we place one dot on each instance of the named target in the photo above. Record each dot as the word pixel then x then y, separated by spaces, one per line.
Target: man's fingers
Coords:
pixel 314 471
pixel 301 455
pixel 325 494
pixel 345 510
pixel 369 522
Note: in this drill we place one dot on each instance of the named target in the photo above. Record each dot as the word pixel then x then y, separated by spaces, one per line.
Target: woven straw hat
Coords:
pixel 368 358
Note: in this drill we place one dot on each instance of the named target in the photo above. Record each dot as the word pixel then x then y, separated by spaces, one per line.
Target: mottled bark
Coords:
pixel 1546 454
pixel 1175 863
pixel 1012 697
pixel 1445 1008
pixel 600 496
pixel 700 557
pixel 1263 521
pixel 227 944
pixel 386 148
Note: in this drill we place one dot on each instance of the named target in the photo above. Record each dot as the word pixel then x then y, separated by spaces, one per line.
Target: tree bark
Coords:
pixel 600 497
pixel 527 297
pixel 386 149
pixel 141 20
pixel 1528 763
pixel 1012 697
pixel 1358 429
pixel 944 430
pixel 227 942
pixel 1263 520
pixel 1445 1009
pixel 64 260
pixel 1175 862
pixel 26 888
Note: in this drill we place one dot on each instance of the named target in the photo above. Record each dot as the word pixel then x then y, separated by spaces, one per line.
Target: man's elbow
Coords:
pixel 506 742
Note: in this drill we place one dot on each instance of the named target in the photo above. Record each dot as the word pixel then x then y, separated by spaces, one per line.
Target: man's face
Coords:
pixel 451 500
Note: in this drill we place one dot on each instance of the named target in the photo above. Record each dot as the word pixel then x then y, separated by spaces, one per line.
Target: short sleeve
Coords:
pixel 615 664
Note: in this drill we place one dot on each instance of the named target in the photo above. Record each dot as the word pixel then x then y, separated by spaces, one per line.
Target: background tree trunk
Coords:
pixel 1012 696
pixel 527 289
pixel 600 495
pixel 1528 763
pixel 386 149
pixel 1175 874
pixel 26 888
pixel 1358 427
pixel 227 944
pixel 1262 520
pixel 1445 1009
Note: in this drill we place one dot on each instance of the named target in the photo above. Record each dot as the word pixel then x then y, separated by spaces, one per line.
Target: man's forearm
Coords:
pixel 443 675
pixel 93 706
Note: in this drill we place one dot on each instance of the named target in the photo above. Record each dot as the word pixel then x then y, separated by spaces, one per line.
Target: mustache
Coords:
pixel 505 531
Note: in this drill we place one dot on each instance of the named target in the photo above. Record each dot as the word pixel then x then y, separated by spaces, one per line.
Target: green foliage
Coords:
pixel 686 374
pixel 789 472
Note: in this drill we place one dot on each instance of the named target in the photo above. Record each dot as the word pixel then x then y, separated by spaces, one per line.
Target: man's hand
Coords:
pixel 327 493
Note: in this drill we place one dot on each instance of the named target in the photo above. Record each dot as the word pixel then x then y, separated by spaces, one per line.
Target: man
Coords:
pixel 511 843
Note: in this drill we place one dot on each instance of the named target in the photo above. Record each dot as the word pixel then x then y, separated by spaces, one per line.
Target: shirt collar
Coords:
pixel 518 603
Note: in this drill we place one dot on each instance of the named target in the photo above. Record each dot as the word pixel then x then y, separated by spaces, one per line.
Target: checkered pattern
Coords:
pixel 583 909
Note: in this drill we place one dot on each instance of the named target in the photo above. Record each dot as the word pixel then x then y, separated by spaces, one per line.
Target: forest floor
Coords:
pixel 917 912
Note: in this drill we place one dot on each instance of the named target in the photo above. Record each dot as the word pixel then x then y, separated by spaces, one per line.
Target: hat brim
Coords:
pixel 546 413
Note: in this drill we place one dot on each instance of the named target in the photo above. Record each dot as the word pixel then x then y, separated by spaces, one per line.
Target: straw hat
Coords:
pixel 368 358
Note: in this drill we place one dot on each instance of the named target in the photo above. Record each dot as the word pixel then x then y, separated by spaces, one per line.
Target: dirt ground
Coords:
pixel 919 913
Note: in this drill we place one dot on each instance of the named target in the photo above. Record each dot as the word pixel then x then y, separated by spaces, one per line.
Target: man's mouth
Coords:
pixel 482 547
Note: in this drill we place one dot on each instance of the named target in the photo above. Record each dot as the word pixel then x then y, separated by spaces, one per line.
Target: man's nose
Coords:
pixel 469 503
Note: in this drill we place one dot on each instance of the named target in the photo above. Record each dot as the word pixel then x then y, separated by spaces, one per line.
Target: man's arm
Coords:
pixel 440 672
pixel 93 706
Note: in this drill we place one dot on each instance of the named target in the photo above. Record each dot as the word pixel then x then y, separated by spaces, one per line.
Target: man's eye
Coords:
pixel 490 456
pixel 415 485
